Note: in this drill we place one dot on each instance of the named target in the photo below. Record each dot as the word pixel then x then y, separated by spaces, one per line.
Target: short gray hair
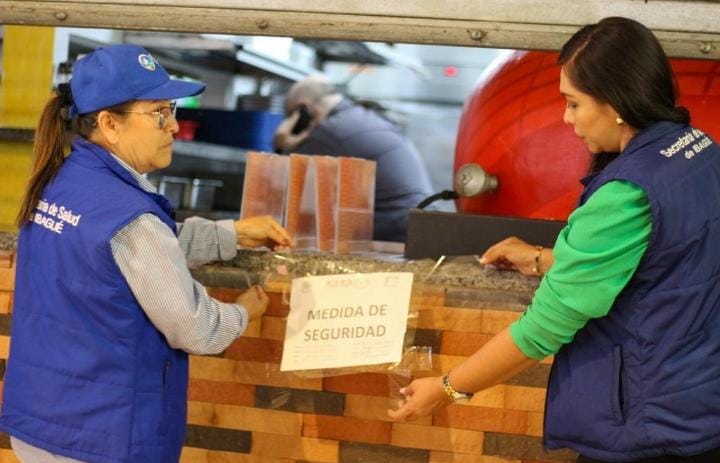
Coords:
pixel 312 88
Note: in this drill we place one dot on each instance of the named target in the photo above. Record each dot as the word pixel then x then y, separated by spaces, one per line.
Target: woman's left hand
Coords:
pixel 255 301
pixel 512 253
pixel 422 397
pixel 263 230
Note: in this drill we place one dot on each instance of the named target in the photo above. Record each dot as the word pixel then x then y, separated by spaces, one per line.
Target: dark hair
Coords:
pixel 620 62
pixel 55 130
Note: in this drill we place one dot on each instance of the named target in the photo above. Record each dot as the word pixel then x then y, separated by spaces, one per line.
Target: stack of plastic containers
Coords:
pixel 326 203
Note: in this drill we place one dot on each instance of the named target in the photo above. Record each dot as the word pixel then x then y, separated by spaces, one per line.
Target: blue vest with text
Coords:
pixel 644 380
pixel 89 376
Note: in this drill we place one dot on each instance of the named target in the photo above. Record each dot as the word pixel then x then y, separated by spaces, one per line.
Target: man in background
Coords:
pixel 321 121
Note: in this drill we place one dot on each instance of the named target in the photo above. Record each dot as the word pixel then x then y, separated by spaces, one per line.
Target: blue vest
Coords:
pixel 644 380
pixel 89 376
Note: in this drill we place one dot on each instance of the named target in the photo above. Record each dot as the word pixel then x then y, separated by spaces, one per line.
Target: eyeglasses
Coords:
pixel 164 114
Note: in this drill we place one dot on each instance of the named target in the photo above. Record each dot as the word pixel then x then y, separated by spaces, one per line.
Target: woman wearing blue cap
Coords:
pixel 105 309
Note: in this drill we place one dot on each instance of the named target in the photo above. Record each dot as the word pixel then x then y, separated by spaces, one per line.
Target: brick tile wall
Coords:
pixel 242 409
pixel 343 428
pixel 299 400
pixel 437 438
pixel 7 278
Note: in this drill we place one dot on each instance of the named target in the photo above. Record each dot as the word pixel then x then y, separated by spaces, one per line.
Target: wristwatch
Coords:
pixel 455 395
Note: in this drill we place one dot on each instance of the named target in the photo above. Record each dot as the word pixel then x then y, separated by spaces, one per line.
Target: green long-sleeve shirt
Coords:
pixel 595 256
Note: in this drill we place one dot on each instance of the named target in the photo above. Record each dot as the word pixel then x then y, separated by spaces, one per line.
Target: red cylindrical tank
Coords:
pixel 512 126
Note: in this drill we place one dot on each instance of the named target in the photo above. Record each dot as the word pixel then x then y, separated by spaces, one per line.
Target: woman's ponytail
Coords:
pixel 51 137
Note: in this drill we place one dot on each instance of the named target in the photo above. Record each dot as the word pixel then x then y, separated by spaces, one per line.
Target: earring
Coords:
pixel 619 120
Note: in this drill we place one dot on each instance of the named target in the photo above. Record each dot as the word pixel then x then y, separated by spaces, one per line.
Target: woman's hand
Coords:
pixel 253 232
pixel 422 397
pixel 255 302
pixel 514 253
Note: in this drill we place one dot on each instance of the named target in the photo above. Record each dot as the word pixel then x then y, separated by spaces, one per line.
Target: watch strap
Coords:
pixel 454 394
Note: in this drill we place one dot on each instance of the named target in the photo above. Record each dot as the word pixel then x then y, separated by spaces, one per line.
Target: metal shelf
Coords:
pixel 17 134
pixel 220 54
pixel 211 151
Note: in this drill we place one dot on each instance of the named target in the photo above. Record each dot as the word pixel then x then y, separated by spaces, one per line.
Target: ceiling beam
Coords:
pixel 685 28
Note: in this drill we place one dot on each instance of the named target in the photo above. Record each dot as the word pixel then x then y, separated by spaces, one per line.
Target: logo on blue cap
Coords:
pixel 146 61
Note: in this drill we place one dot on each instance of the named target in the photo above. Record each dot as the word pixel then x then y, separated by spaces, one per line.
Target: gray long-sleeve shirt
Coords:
pixel 155 264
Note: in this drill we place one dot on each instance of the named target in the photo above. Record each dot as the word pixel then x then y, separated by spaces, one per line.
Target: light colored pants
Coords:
pixel 29 454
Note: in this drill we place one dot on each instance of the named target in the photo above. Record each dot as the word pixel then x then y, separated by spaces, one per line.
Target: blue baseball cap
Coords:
pixel 119 73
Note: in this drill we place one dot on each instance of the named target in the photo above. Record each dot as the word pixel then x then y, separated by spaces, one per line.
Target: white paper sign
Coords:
pixel 338 321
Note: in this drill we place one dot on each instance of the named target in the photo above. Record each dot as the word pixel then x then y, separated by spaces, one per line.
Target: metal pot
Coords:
pixel 202 193
pixel 174 189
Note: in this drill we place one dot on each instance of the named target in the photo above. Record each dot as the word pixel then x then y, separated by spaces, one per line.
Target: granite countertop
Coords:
pixel 465 281
pixel 463 271
pixel 462 276
pixel 8 241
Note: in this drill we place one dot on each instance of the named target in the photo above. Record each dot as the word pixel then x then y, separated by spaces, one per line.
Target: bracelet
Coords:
pixel 537 267
pixel 455 395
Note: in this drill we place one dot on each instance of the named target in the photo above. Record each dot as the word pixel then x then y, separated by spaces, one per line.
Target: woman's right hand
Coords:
pixel 263 230
pixel 513 253
pixel 255 302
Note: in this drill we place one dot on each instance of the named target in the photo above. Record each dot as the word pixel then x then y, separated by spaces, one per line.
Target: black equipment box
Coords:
pixel 432 234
